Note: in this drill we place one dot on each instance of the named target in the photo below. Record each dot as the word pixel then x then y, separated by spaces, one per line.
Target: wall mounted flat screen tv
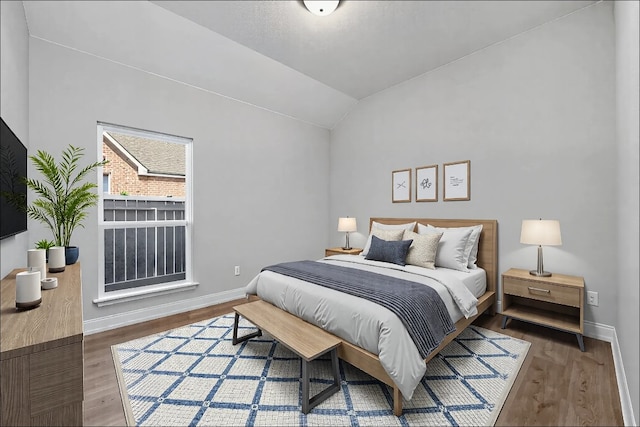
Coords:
pixel 13 192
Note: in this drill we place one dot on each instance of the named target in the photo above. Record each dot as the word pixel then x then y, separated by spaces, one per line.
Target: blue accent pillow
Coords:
pixel 387 251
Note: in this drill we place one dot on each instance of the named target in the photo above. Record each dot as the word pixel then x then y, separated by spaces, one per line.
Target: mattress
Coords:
pixel 474 280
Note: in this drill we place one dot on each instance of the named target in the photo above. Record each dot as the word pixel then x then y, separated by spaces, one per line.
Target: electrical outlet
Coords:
pixel 236 270
pixel 592 298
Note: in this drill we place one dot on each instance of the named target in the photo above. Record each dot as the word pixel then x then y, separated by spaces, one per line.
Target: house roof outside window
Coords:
pixel 157 157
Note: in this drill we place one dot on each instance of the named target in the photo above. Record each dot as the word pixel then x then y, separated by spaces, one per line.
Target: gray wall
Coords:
pixel 14 107
pixel 535 114
pixel 628 128
pixel 259 178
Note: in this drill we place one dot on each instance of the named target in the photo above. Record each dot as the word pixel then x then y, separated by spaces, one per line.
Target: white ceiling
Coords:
pixel 367 46
pixel 278 56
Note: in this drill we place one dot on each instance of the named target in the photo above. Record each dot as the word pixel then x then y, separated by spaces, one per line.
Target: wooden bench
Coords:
pixel 306 340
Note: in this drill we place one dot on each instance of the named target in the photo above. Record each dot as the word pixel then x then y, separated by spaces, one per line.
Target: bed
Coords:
pixel 391 359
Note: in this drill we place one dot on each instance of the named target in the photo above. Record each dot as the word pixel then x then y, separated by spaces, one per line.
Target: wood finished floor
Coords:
pixel 557 384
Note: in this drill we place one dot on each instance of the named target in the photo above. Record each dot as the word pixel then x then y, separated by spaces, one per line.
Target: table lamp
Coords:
pixel 542 233
pixel 347 225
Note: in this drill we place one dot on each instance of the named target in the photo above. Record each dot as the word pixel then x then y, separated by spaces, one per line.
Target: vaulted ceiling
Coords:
pixel 278 56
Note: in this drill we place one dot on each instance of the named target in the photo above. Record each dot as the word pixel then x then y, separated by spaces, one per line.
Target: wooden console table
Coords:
pixel 41 354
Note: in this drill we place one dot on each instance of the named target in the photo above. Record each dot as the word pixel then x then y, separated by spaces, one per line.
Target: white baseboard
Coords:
pixel 623 387
pixel 599 331
pixel 106 323
pixel 608 333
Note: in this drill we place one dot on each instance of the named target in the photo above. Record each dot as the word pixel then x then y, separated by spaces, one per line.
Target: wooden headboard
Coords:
pixel 487 249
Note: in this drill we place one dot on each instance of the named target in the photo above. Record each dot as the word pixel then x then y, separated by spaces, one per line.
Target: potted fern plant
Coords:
pixel 63 198
pixel 46 245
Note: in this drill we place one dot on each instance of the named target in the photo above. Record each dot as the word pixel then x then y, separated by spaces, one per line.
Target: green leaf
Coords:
pixel 62 198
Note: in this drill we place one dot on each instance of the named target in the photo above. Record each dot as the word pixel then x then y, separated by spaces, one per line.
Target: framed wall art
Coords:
pixel 401 186
pixel 427 184
pixel 456 177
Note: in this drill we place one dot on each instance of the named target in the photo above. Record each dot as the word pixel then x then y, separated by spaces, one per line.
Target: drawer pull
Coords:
pixel 532 289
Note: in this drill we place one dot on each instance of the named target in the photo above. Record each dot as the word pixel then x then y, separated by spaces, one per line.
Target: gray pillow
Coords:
pixel 377 229
pixel 388 251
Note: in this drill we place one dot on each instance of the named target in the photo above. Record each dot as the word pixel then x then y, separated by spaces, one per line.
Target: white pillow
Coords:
pixel 376 225
pixel 423 250
pixel 473 256
pixel 452 247
pixel 471 250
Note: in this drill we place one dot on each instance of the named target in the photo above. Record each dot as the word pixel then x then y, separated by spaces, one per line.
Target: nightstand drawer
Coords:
pixel 542 291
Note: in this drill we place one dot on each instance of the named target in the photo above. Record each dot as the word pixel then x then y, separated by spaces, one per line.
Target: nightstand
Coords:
pixel 340 251
pixel 556 301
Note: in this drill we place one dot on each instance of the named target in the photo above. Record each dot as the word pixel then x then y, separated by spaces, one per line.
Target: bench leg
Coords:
pixel 237 340
pixel 309 404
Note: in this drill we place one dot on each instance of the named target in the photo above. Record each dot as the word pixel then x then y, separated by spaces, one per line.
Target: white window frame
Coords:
pixel 124 295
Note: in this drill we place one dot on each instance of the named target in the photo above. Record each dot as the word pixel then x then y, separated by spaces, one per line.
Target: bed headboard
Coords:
pixel 487 249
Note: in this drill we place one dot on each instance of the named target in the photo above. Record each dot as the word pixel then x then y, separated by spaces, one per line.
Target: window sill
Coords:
pixel 136 294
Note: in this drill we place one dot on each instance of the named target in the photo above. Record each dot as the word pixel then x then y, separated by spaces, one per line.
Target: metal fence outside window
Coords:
pixel 144 241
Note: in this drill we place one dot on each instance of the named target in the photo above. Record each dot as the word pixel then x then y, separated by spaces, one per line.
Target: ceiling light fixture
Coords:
pixel 321 8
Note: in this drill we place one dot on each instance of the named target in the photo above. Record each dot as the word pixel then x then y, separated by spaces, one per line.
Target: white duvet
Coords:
pixel 364 323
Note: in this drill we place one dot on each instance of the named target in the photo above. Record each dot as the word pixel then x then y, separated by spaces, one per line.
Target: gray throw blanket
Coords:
pixel 418 306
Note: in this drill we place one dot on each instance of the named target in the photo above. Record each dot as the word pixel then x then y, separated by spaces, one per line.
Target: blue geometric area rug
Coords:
pixel 194 376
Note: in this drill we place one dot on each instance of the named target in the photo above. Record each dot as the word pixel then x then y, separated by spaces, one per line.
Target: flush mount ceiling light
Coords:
pixel 321 8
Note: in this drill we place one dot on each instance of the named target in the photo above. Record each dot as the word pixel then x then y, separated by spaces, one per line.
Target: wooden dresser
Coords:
pixel 41 354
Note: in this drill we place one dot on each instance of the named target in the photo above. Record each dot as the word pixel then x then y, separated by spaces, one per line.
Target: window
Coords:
pixel 144 214
pixel 106 187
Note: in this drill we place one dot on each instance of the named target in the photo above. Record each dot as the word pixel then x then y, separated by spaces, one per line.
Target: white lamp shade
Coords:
pixel 541 232
pixel 347 224
pixel 321 8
